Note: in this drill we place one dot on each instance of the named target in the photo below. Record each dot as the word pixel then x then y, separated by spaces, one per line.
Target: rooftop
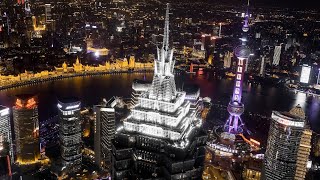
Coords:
pixel 25 97
pixel 67 100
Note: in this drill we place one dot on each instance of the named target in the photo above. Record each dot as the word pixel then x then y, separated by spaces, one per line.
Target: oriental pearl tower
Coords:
pixel 235 108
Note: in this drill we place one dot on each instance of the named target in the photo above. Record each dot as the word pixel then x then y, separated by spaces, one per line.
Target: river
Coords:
pixel 91 90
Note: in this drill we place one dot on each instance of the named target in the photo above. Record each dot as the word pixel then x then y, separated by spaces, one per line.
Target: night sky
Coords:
pixel 314 4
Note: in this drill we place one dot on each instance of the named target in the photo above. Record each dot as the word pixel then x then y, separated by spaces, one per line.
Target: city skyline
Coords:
pixel 148 89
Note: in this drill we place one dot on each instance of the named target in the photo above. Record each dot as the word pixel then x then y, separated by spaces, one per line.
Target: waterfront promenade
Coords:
pixel 7 82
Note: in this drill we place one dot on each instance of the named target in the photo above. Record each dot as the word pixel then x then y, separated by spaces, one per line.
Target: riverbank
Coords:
pixel 68 75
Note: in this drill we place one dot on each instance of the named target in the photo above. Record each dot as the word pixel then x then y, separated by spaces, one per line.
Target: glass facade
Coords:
pixel 6 147
pixel 104 132
pixel 70 134
pixel 26 128
pixel 283 143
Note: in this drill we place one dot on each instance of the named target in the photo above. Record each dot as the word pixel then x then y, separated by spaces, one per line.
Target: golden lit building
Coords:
pixel 26 128
pixel 119 64
pixel 37 27
pixel 303 154
pixel 317 147
pixel 252 169
pixel 210 59
pixel 78 67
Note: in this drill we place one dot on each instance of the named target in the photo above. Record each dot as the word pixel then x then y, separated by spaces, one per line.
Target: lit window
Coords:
pixel 237 83
pixel 240 62
pixel 238 76
pixel 240 69
pixel 237 91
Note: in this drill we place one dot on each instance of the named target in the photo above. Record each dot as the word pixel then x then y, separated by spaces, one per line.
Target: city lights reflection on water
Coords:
pixel 91 90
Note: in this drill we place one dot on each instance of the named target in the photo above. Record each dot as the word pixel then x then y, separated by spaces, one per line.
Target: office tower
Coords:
pixel 262 66
pixel 276 55
pixel 205 38
pixel 227 59
pixel 6 149
pixel 26 129
pixel 70 133
pixel 235 108
pixel 5 131
pixel 161 138
pixel 284 137
pixel 303 154
pixel 48 12
pixel 104 131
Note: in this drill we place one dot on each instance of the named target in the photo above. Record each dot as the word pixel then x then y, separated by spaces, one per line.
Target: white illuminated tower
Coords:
pixel 70 134
pixel 235 108
pixel 162 136
pixel 104 130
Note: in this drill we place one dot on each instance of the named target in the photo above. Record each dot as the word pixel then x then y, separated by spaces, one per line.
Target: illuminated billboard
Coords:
pixel 305 73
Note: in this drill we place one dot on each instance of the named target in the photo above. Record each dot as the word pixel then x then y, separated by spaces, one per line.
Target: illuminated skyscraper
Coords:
pixel 235 108
pixel 285 133
pixel 276 55
pixel 26 128
pixel 48 12
pixel 303 155
pixel 162 137
pixel 6 149
pixel 104 130
pixel 227 59
pixel 70 134
pixel 262 66
pixel 5 131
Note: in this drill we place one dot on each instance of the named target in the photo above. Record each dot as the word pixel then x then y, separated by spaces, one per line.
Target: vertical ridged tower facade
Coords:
pixel 162 137
pixel 284 142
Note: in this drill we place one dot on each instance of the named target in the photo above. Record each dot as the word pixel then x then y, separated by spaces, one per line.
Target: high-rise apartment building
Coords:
pixel 285 135
pixel 104 130
pixel 26 129
pixel 161 138
pixel 70 133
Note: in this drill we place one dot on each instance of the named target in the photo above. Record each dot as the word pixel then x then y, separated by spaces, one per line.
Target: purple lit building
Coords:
pixel 235 108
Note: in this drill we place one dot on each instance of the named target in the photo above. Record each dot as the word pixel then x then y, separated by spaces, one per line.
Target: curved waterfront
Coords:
pixel 66 75
pixel 91 89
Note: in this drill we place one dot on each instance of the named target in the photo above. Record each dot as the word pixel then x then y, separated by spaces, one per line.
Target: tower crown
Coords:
pixel 163 85
pixel 298 111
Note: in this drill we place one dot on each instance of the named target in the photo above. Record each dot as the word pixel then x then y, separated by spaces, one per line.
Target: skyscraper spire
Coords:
pixel 166 30
pixel 163 84
pixel 245 27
